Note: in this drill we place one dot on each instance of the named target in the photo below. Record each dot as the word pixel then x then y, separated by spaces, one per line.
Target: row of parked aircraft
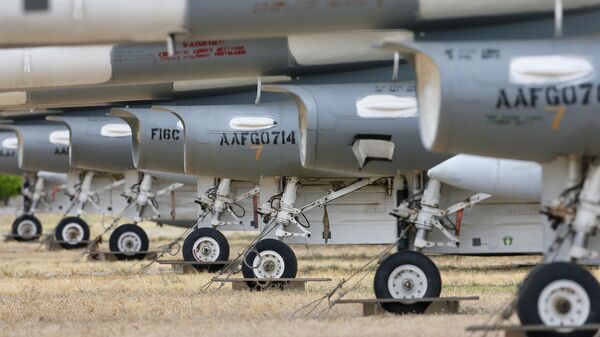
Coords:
pixel 442 126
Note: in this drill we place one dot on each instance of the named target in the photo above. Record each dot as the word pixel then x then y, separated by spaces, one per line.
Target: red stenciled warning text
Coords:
pixel 203 49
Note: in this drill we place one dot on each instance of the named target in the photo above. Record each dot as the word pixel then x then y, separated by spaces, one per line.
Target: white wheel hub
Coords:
pixel 407 281
pixel 268 264
pixel 564 302
pixel 129 242
pixel 72 233
pixel 26 229
pixel 206 249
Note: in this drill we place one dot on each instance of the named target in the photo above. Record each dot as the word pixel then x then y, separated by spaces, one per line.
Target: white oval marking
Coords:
pixel 549 69
pixel 11 143
pixel 252 123
pixel 387 106
pixel 61 137
pixel 116 130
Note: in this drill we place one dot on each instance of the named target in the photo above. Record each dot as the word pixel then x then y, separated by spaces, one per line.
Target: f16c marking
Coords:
pixel 258 138
pixel 165 134
pixel 579 94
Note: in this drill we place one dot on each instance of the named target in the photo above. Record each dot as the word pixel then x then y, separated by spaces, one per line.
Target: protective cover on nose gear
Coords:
pixel 9 146
pixel 530 100
pixel 241 141
pixel 42 146
pixel 98 143
pixel 369 128
pixel 157 139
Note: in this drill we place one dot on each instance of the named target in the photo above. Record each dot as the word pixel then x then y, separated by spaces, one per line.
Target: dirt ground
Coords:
pixel 58 294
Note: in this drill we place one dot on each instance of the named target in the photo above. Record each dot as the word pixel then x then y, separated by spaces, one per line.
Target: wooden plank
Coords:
pixel 525 328
pixel 439 307
pixel 108 252
pixel 266 284
pixel 194 263
pixel 406 301
pixel 291 280
pixel 108 256
pixel 238 286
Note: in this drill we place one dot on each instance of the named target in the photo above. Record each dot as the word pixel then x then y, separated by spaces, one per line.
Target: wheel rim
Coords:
pixel 268 264
pixel 564 302
pixel 72 233
pixel 129 242
pixel 407 281
pixel 206 249
pixel 26 229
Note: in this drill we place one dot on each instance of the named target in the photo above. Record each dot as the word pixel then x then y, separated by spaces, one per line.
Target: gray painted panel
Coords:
pixel 213 148
pixel 36 153
pixel 479 108
pixel 256 18
pixel 197 60
pixel 331 124
pixel 9 163
pixel 90 150
pixel 157 139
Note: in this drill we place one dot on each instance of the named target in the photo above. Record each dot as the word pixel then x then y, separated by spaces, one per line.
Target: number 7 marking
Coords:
pixel 559 111
pixel 259 149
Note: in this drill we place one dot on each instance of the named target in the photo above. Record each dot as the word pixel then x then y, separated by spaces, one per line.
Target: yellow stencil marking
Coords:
pixel 559 111
pixel 259 149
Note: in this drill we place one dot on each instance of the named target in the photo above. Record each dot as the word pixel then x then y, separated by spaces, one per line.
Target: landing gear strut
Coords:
pixel 562 293
pixel 411 274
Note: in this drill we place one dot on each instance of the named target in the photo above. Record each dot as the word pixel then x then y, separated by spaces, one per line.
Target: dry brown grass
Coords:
pixel 53 294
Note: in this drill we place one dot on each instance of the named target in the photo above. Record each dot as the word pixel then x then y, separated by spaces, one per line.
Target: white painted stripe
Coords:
pixel 342 47
pixel 47 67
pixel 13 98
pixel 444 9
pixel 92 21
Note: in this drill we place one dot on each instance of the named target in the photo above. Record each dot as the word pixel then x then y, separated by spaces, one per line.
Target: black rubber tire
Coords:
pixel 287 254
pixel 419 260
pixel 113 242
pixel 26 217
pixel 68 220
pixel 540 277
pixel 190 240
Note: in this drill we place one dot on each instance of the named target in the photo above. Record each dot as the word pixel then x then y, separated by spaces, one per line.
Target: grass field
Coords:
pixel 56 294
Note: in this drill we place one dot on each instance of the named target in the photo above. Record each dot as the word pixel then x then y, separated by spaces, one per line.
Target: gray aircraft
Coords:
pixel 129 64
pixel 375 132
pixel 101 145
pixel 257 142
pixel 38 190
pixel 529 99
pixel 43 165
pixel 51 22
